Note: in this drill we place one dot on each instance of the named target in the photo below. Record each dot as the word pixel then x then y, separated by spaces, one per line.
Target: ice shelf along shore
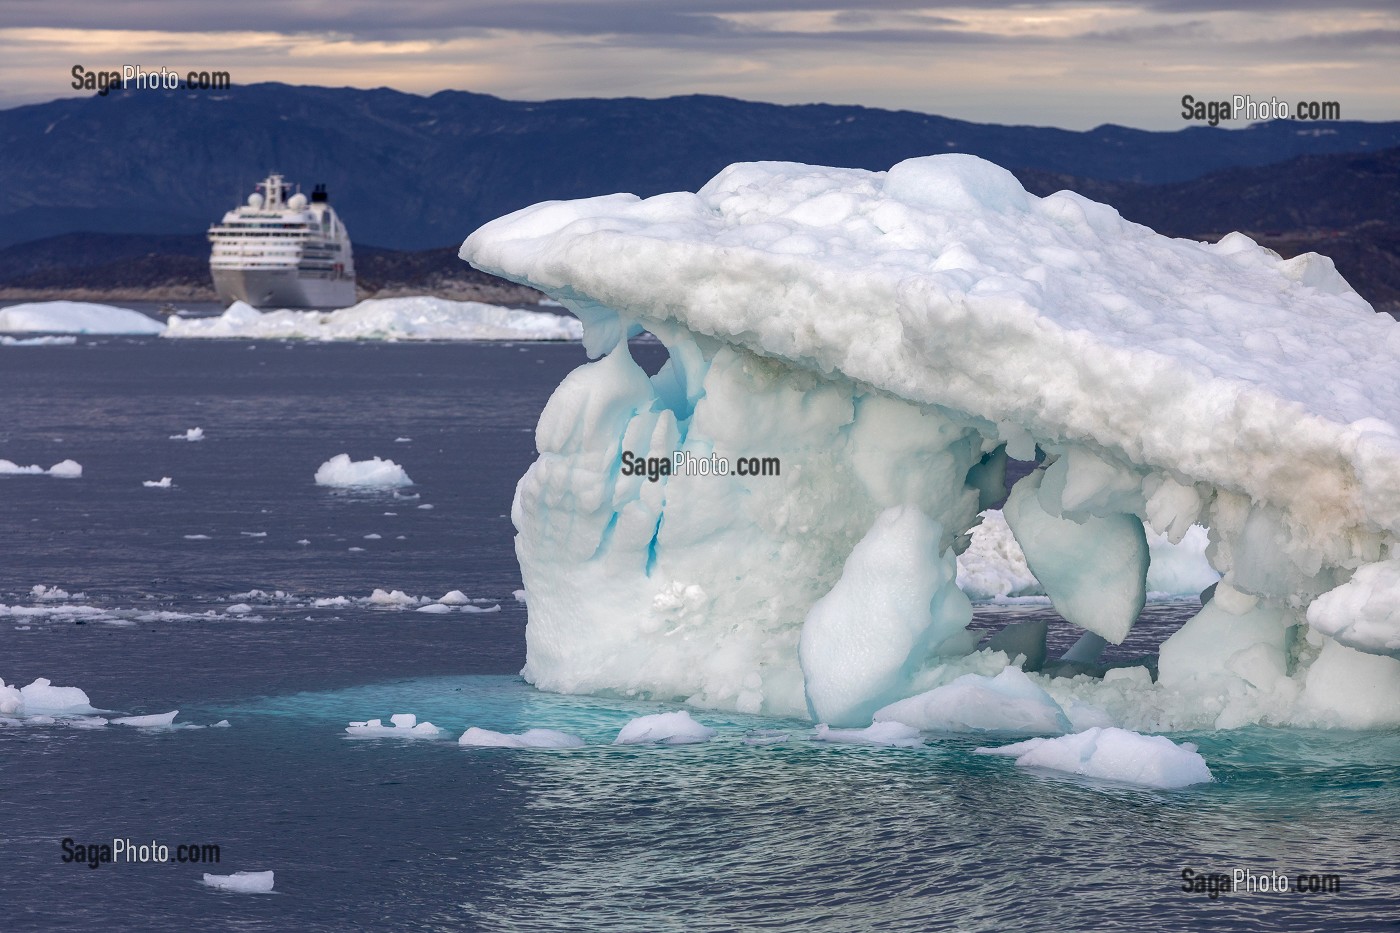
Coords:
pixel 889 339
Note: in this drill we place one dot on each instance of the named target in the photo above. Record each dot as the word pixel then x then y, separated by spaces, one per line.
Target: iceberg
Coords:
pixel 75 317
pixel 412 318
pixel 843 343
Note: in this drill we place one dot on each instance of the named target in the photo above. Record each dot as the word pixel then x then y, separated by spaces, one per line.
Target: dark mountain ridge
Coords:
pixel 413 172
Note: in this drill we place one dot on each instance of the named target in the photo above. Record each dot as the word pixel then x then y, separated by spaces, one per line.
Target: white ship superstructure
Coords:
pixel 283 251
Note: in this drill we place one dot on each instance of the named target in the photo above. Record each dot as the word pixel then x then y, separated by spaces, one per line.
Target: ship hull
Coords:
pixel 282 288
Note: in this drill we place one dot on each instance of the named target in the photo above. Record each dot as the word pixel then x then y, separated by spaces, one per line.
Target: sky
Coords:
pixel 1073 64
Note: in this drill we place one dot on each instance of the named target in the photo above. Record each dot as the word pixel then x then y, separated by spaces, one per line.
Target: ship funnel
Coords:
pixel 319 196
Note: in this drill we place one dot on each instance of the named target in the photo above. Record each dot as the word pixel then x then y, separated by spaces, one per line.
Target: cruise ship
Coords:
pixel 282 251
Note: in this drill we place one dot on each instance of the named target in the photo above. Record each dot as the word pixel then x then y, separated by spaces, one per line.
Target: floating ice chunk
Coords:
pixel 191 434
pixel 531 738
pixel 9 468
pixel 408 318
pixel 221 724
pixel 394 598
pixel 1010 702
pixel 37 341
pixel 340 470
pixel 42 696
pixel 1364 612
pixel 327 601
pixel 53 593
pixel 64 469
pixel 162 483
pixel 895 602
pixel 519 595
pixel 239 608
pixel 893 734
pixel 403 725
pixel 434 608
pixel 11 699
pixel 425 507
pixel 303 541
pixel 454 598
pixel 153 721
pixel 373 537
pixel 75 317
pixel 196 537
pixel 664 729
pixel 242 882
pixel 766 737
pixel 403 440
pixel 1114 755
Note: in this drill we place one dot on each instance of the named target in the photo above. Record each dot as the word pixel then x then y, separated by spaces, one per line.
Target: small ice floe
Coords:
pixel 242 882
pixel 153 721
pixel 340 470
pixel 893 734
pixel 64 469
pixel 664 729
pixel 1113 754
pixel 162 483
pixel 327 602
pixel 404 726
pixel 253 534
pixel 493 608
pixel 530 738
pixel 303 541
pixel 50 341
pixel 239 609
pixel 43 593
pixel 519 595
pixel 355 550
pixel 42 696
pixel 373 537
pixel 434 609
pixel 395 598
pixel 403 440
pixel 193 434
pixel 454 598
pixel 221 724
pixel 766 737
pixel 425 506
pixel 196 537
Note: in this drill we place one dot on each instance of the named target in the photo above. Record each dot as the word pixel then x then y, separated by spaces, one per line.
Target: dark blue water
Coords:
pixel 391 834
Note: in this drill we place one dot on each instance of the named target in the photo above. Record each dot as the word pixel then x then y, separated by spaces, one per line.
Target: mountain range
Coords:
pixel 109 193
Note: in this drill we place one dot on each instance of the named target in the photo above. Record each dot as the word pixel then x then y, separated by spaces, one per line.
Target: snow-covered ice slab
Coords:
pixel 411 318
pixel 1113 755
pixel 75 317
pixel 887 340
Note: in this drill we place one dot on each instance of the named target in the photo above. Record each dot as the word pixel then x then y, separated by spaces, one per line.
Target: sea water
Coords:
pixel 426 835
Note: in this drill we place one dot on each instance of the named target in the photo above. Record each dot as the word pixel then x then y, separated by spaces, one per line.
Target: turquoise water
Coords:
pixel 426 835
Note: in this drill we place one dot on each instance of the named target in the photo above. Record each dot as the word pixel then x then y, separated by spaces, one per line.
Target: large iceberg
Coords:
pixel 844 343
